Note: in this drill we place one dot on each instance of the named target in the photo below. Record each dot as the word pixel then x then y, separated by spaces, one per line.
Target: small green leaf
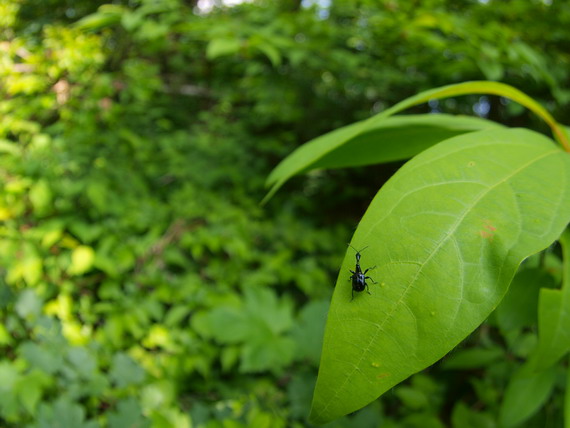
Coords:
pixel 125 371
pixel 519 307
pixel 420 420
pixel 225 324
pixel 567 401
pixel 82 260
pixel 128 415
pixel 264 307
pixel 63 413
pixel 9 377
pixel 7 146
pixel 5 336
pixel 229 357
pixel 222 47
pixel 447 233
pixel 176 314
pixel 41 197
pixel 525 395
pixel 299 391
pixel 412 398
pixel 271 52
pixel 83 361
pixel 30 387
pixel 554 317
pixel 106 16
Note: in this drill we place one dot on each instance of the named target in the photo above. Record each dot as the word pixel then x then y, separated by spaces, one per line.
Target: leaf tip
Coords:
pixel 271 192
pixel 316 418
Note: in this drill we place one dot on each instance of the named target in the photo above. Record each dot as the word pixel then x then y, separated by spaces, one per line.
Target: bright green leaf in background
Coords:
pixel 447 233
pixel 30 388
pixel 124 371
pixel 41 197
pixel 128 414
pixel 464 417
pixel 222 47
pixel 63 413
pixel 82 259
pixel 260 327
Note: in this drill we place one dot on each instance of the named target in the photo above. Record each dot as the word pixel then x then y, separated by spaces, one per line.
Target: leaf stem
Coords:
pixel 481 87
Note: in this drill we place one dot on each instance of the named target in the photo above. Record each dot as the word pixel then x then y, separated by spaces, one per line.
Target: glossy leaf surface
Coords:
pixel 447 233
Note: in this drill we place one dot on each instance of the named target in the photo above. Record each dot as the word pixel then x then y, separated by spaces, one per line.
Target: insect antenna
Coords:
pixel 357 250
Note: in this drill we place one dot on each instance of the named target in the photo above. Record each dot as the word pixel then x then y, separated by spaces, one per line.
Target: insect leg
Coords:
pixel 367 277
pixel 369 269
pixel 367 290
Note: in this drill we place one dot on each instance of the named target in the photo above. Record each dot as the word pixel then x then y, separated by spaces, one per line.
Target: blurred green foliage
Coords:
pixel 141 283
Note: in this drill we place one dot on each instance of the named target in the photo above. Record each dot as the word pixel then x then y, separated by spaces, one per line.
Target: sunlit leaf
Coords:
pixel 223 46
pixel 82 260
pixel 41 197
pixel 447 233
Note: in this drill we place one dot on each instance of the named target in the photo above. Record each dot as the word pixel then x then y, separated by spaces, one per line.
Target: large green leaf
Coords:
pixel 554 317
pixel 384 143
pixel 447 233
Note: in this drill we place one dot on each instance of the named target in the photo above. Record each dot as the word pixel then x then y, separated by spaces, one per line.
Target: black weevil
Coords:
pixel 358 277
